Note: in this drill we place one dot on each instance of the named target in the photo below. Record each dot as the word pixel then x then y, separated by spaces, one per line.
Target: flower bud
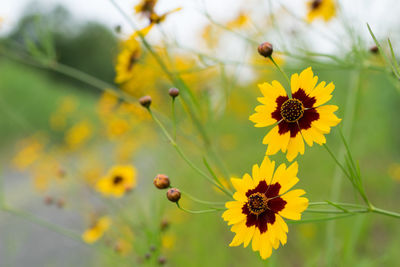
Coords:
pixel 48 200
pixel 161 181
pixel 265 49
pixel 173 92
pixel 118 29
pixel 145 101
pixel 164 225
pixel 316 4
pixel 60 203
pixel 174 195
pixel 374 49
pixel 162 260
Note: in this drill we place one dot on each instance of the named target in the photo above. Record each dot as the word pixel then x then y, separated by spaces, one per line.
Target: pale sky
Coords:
pixel 381 14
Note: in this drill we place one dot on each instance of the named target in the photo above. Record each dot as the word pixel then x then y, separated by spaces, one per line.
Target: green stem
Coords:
pixel 43 223
pixel 55 228
pixel 337 178
pixel 322 219
pixel 173 117
pixel 201 201
pixel 2 194
pixel 184 157
pixel 335 203
pixel 385 212
pixel 288 91
pixel 199 211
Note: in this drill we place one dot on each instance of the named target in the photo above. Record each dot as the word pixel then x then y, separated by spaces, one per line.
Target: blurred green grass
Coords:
pixel 202 240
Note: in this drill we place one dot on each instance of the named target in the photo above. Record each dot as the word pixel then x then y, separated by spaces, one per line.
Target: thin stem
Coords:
pixel 288 91
pixel 184 157
pixel 336 161
pixel 43 223
pixel 322 219
pixel 199 211
pixel 385 212
pixel 336 203
pixel 337 211
pixel 2 195
pixel 55 228
pixel 201 201
pixel 173 117
pixel 337 177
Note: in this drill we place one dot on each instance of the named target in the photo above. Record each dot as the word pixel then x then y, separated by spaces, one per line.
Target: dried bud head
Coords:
pixel 173 92
pixel 265 49
pixel 161 181
pixel 145 101
pixel 174 195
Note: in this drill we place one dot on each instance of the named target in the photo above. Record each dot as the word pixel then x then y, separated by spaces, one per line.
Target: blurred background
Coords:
pixel 62 128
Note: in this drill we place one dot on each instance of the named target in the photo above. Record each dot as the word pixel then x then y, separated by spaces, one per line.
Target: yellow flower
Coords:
pixel 78 134
pixel 260 203
pixel 45 172
pixel 302 116
pixel 146 7
pixel 157 19
pixel 168 241
pixel 117 127
pixel 127 59
pixel 123 247
pixel 324 9
pixel 240 21
pixel 394 171
pixel 94 233
pixel 31 150
pixel 118 180
pixel 58 120
pixel 107 103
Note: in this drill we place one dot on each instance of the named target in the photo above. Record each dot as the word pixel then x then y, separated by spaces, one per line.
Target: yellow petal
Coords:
pixel 295 204
pixel 267 169
pixel 295 146
pixel 276 141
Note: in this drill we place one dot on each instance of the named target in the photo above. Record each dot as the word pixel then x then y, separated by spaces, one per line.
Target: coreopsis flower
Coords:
pixel 303 116
pixel 78 134
pixel 240 21
pixel 116 127
pixel 30 151
pixel 260 203
pixel 146 7
pixel 127 59
pixel 157 19
pixel 123 247
pixel 324 9
pixel 107 103
pixel 94 233
pixel 118 181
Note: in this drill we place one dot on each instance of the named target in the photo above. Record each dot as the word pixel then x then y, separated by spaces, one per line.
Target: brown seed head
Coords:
pixel 374 49
pixel 173 92
pixel 265 49
pixel 162 260
pixel 145 101
pixel 48 200
pixel 316 4
pixel 161 181
pixel 60 203
pixel 164 224
pixel 174 195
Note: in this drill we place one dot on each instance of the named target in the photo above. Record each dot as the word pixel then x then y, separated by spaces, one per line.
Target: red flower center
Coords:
pixel 257 203
pixel 117 180
pixel 316 4
pixel 292 110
